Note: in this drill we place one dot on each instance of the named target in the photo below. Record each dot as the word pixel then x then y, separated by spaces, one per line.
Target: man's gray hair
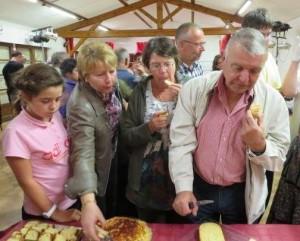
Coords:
pixel 183 29
pixel 122 54
pixel 251 39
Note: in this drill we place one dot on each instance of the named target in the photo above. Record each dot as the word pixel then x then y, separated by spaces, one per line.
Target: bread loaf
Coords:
pixel 211 232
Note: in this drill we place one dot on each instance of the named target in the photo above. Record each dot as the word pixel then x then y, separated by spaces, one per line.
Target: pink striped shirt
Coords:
pixel 220 154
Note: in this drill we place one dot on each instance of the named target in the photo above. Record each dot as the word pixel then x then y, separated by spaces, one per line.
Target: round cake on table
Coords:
pixel 127 229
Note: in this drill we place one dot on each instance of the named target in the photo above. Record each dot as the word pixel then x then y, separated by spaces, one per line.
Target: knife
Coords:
pixel 201 203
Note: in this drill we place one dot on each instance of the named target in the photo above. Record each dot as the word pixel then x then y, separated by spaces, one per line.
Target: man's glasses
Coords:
pixel 198 45
pixel 160 65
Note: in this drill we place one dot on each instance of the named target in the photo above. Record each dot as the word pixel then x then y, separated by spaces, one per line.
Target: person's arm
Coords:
pixel 91 216
pixel 290 83
pixel 35 192
pixel 83 183
pixel 81 123
pixel 183 143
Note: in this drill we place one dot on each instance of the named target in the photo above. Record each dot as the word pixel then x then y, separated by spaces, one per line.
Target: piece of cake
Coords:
pixel 24 231
pixel 59 237
pixel 31 235
pixel 69 233
pixel 168 82
pixel 255 110
pixel 45 237
pixel 14 239
pixel 51 230
pixel 31 224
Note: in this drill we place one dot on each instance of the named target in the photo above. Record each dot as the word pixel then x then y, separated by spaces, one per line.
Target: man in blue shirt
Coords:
pixel 123 72
pixel 70 74
pixel 190 42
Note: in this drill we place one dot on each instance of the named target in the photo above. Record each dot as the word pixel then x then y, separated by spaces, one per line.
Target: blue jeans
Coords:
pixel 228 206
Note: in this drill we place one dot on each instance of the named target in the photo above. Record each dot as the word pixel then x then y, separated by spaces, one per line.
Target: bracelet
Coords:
pixel 87 202
pixel 50 212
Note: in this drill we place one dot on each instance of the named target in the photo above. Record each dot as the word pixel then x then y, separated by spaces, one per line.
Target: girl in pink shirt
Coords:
pixel 36 146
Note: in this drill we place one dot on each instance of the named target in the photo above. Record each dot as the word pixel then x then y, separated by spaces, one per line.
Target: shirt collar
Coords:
pixel 70 81
pixel 35 121
pixel 220 90
pixel 191 67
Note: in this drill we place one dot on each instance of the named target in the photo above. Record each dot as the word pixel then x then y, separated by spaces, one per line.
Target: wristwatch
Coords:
pixel 255 153
pixel 50 212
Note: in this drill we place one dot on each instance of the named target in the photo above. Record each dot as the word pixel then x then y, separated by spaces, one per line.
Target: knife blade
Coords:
pixel 201 203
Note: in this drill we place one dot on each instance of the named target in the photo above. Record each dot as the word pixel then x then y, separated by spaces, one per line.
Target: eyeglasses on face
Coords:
pixel 166 65
pixel 198 45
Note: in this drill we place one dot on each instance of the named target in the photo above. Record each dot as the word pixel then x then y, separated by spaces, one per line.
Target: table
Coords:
pixel 236 232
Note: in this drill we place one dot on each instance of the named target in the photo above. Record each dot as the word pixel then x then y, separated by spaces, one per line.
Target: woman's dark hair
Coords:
pixel 35 78
pixel 216 62
pixel 67 66
pixel 161 46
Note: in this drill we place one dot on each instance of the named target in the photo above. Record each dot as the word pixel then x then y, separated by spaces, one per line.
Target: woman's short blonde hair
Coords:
pixel 92 54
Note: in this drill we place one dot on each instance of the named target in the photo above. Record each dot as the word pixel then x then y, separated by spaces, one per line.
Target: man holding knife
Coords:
pixel 219 150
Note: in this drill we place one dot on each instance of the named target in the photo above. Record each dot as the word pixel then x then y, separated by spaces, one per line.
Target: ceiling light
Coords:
pixel 32 1
pixel 102 28
pixel 62 12
pixel 244 7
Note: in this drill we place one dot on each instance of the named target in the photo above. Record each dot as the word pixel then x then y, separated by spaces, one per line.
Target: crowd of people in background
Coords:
pixel 98 136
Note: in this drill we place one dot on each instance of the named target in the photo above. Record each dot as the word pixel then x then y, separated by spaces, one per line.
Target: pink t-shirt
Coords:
pixel 46 145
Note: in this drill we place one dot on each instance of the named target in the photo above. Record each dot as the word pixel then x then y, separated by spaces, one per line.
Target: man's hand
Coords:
pixel 182 204
pixel 91 215
pixel 159 120
pixel 253 133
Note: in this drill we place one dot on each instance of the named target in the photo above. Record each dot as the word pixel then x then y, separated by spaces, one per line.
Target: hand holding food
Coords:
pixel 256 110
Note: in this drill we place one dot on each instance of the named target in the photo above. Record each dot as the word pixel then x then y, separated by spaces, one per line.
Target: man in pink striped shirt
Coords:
pixel 219 150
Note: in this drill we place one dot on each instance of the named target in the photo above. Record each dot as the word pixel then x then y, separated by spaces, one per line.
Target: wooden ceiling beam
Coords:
pixel 205 10
pixel 106 15
pixel 168 11
pixel 159 12
pixel 138 33
pixel 136 14
pixel 153 19
pixel 170 15
pixel 193 13
pixel 82 40
pixel 51 4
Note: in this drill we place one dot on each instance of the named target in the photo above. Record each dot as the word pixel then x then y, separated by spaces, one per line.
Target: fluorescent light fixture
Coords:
pixel 32 1
pixel 244 7
pixel 62 12
pixel 102 28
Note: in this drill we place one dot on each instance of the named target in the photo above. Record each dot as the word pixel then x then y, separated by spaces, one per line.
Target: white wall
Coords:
pixel 285 55
pixel 18 34
pixel 211 47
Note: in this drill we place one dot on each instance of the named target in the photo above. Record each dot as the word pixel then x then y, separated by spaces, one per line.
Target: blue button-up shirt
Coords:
pixel 185 73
